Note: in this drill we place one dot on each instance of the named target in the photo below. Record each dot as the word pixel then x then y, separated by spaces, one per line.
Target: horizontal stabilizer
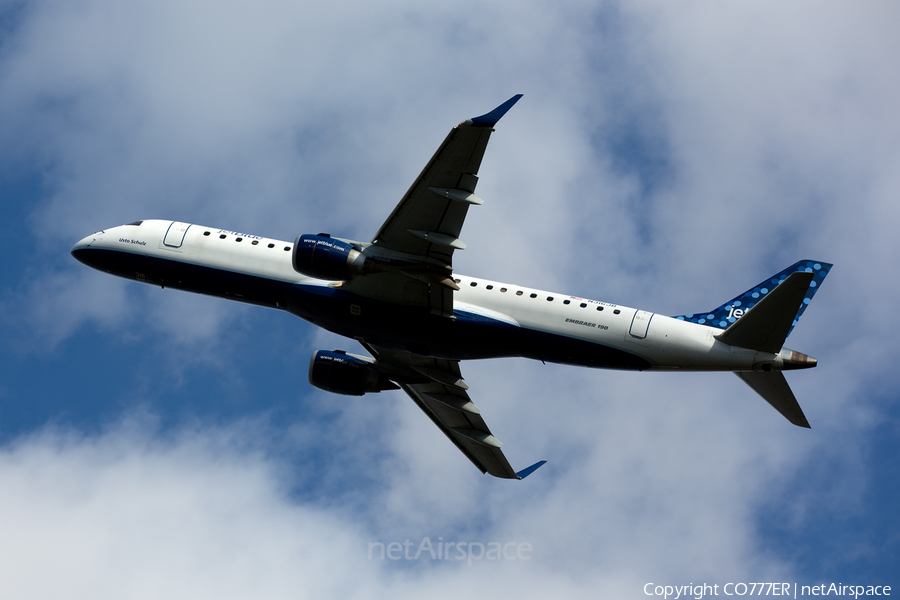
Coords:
pixel 765 326
pixel 774 389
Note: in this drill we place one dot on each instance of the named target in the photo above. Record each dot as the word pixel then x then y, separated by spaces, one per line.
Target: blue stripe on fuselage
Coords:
pixel 469 336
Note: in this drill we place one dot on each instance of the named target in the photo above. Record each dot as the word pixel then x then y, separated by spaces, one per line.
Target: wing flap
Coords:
pixel 415 244
pixel 467 430
pixel 453 167
pixel 437 387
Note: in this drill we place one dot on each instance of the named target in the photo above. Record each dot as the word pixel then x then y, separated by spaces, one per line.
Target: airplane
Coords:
pixel 400 299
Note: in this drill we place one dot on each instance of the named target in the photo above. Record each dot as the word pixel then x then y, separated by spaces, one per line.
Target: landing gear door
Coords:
pixel 175 234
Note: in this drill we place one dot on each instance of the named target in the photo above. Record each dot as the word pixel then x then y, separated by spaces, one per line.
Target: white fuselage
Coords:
pixel 206 260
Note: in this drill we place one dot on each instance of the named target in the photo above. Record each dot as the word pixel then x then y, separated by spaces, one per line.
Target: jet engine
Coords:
pixel 324 257
pixel 347 374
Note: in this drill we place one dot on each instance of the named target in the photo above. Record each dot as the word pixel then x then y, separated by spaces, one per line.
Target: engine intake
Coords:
pixel 347 374
pixel 325 257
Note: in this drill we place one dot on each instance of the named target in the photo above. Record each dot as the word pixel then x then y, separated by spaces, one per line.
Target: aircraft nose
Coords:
pixel 82 251
pixel 83 243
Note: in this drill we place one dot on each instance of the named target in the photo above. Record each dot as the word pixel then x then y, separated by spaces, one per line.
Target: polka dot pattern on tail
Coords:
pixel 729 313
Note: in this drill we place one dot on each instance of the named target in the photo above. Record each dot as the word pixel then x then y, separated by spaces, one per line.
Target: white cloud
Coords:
pixel 55 304
pixel 663 157
pixel 207 512
pixel 129 514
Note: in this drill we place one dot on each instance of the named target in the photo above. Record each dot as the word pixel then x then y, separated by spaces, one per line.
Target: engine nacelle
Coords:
pixel 347 374
pixel 325 257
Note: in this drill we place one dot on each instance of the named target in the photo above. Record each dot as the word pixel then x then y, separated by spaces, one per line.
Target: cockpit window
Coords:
pixel 136 223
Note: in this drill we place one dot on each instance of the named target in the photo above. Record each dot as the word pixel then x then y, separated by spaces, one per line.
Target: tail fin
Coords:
pixel 729 313
pixel 767 324
pixel 761 319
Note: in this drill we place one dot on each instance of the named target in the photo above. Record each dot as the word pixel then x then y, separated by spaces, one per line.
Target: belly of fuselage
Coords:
pixel 468 336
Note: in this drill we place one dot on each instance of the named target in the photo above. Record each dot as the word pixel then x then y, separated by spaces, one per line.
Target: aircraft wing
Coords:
pixel 418 238
pixel 437 387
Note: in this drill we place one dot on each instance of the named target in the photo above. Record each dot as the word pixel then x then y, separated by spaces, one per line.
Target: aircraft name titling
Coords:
pixel 239 234
pixel 138 242
pixel 595 302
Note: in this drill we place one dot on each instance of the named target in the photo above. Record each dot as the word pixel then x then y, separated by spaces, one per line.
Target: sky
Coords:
pixel 664 156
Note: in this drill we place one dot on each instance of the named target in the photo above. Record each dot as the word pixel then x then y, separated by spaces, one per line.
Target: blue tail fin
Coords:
pixel 731 311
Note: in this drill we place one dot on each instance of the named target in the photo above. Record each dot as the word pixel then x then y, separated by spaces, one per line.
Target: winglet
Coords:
pixel 529 470
pixel 490 119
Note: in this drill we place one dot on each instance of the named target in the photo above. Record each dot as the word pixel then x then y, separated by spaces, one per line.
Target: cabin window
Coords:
pixel 271 245
pixel 287 248
pixel 549 298
pixel 617 311
pixel 456 281
pixel 534 295
pixel 222 237
pixel 490 287
pixel 474 283
pixel 255 242
pixel 238 239
pixel 205 233
pixel 567 302
pixel 599 308
pixel 519 293
pixel 583 305
pixel 502 289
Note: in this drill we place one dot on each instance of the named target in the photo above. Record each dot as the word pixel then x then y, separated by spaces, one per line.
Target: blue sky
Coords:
pixel 157 443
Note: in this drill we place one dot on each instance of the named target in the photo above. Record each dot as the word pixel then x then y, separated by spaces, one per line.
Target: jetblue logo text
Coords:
pixel 737 313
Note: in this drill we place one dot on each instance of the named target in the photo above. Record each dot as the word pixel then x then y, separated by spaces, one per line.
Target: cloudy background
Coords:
pixel 667 156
